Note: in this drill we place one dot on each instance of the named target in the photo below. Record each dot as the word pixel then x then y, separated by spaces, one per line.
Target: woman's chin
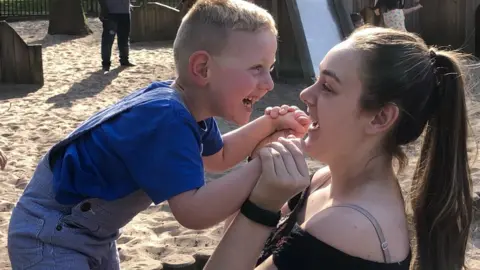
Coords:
pixel 311 149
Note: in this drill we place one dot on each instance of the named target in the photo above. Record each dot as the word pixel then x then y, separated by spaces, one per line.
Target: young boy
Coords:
pixel 154 144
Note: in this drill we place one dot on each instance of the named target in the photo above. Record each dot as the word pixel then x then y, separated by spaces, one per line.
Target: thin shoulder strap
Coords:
pixel 378 229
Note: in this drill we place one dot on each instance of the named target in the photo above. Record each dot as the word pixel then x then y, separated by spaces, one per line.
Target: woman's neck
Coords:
pixel 350 176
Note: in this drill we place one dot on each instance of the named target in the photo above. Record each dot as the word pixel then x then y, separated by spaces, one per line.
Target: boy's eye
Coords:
pixel 258 68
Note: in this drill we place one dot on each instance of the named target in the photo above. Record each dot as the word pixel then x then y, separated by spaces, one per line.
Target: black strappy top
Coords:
pixel 293 248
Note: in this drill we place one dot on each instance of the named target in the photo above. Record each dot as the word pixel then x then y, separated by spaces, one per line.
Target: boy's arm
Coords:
pixel 214 202
pixel 163 159
pixel 240 143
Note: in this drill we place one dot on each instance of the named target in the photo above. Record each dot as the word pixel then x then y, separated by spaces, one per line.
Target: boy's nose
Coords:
pixel 268 83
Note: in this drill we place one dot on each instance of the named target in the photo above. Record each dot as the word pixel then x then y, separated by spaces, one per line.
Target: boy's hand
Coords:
pixel 289 118
pixel 276 111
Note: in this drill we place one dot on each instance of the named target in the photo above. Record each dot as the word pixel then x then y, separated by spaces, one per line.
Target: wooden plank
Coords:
pixel 155 22
pixel 7 54
pixel 20 63
pixel 36 63
pixel 22 71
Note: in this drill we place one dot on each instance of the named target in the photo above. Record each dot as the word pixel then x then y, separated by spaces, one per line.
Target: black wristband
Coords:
pixel 260 215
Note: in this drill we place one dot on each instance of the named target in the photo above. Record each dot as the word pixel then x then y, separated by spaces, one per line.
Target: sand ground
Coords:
pixel 33 119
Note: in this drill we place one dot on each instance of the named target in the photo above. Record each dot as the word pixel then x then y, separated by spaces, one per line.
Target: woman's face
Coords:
pixel 338 126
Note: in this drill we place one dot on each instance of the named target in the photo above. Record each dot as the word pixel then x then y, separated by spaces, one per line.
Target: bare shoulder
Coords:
pixel 351 232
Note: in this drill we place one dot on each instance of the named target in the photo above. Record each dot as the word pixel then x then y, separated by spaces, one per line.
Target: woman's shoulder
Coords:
pixel 349 230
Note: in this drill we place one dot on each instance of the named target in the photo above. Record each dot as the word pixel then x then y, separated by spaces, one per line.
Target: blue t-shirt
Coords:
pixel 155 146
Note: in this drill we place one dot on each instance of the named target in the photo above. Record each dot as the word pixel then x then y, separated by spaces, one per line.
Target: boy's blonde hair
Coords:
pixel 208 24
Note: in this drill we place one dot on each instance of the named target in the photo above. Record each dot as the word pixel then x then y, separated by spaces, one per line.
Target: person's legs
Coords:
pixel 27 251
pixel 123 39
pixel 113 261
pixel 110 27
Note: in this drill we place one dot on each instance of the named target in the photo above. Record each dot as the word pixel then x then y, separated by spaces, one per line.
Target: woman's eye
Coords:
pixel 326 87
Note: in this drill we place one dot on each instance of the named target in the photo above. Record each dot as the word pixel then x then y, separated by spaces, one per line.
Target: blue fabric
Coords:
pixel 148 140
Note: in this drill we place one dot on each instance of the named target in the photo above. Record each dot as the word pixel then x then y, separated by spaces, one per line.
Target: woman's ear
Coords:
pixel 384 119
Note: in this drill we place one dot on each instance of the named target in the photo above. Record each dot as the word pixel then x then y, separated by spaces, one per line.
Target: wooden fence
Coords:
pixel 154 22
pixel 19 63
pixel 38 9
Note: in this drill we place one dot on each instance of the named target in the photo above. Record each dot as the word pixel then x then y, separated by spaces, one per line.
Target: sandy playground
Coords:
pixel 32 120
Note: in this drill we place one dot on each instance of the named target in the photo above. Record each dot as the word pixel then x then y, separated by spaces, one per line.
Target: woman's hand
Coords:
pixel 284 174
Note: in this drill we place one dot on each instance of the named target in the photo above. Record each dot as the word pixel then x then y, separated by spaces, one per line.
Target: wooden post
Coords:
pixel 67 18
pixel 36 63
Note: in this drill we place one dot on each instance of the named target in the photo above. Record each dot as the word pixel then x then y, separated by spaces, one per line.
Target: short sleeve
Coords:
pixel 162 151
pixel 212 139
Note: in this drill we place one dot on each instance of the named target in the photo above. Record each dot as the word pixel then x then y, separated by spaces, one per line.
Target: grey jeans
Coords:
pixel 45 235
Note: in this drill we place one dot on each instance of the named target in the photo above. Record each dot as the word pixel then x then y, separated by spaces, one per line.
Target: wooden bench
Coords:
pixel 19 63
pixel 154 22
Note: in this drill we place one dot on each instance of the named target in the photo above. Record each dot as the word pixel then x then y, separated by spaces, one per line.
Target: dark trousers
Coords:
pixel 115 24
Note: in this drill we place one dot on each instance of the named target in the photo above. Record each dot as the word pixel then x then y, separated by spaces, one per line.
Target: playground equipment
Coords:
pixel 19 63
pixel 307 30
pixel 154 22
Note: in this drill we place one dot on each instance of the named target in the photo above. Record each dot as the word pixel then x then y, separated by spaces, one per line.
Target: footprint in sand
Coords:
pixel 21 184
pixel 124 239
pixel 191 241
pixel 6 206
pixel 157 253
pixel 170 227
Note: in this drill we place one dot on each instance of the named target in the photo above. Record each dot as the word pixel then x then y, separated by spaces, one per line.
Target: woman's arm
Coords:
pixel 284 174
pixel 240 246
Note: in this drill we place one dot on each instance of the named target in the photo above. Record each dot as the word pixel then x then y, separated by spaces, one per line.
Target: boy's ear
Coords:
pixel 198 67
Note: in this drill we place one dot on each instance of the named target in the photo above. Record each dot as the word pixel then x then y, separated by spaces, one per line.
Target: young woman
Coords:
pixel 393 14
pixel 378 91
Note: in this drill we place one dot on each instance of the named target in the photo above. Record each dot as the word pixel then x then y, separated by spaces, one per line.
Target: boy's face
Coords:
pixel 240 75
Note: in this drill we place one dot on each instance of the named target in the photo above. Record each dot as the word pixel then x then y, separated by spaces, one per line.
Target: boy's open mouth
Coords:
pixel 249 101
